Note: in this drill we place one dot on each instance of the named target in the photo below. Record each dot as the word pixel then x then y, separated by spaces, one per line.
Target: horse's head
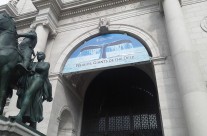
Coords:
pixel 6 22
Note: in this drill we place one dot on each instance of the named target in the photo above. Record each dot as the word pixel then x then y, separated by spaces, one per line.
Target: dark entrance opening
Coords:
pixel 121 102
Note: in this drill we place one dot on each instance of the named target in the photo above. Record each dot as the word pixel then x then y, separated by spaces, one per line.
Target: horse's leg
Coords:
pixel 4 82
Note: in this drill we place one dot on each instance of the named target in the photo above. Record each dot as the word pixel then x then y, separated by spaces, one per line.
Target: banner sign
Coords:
pixel 106 51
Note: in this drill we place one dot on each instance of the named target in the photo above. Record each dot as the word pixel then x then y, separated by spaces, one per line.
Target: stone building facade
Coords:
pixel 173 31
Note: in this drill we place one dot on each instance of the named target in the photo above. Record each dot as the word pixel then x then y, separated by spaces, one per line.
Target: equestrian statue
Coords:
pixel 17 70
pixel 9 56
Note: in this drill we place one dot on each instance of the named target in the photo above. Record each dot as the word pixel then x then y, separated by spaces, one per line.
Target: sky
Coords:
pixel 3 2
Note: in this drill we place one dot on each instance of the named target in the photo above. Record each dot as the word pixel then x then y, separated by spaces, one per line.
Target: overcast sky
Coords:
pixel 3 2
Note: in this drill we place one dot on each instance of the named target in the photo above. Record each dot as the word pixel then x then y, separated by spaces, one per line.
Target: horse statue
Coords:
pixel 9 56
pixel 14 59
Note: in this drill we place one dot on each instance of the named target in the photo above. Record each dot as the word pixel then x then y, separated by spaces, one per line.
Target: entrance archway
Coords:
pixel 144 120
pixel 66 124
pixel 122 102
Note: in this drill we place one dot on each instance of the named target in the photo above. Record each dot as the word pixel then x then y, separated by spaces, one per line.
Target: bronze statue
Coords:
pixel 33 84
pixel 9 56
pixel 34 88
pixel 26 47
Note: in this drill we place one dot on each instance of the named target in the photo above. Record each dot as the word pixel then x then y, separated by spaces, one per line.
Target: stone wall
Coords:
pixel 195 14
pixel 150 21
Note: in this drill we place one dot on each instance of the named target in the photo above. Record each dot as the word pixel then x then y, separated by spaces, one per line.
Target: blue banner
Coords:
pixel 106 51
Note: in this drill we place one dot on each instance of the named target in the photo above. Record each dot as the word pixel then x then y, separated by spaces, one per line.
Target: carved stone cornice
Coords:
pixel 77 8
pixel 25 20
pixel 78 11
pixel 76 4
pixel 9 9
pixel 53 5
pixel 91 6
pixel 114 14
pixel 189 2
pixel 98 5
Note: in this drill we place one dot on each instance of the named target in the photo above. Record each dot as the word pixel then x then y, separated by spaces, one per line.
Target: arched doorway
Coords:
pixel 122 102
pixel 119 101
pixel 66 124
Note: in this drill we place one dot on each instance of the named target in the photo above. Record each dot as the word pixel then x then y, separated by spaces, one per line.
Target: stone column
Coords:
pixel 42 31
pixel 190 81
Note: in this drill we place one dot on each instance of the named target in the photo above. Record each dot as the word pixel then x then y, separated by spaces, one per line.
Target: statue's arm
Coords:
pixel 46 67
pixel 49 99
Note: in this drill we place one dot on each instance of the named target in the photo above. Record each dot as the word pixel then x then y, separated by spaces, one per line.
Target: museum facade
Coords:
pixel 120 67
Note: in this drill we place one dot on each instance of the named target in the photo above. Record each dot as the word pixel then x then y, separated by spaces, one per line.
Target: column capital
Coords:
pixel 35 24
pixel 46 23
pixel 48 15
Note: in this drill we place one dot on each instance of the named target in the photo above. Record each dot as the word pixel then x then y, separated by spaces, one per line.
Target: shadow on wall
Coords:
pixel 157 30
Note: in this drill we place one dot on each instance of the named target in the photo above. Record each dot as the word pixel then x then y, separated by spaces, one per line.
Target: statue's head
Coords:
pixel 40 56
pixel 6 22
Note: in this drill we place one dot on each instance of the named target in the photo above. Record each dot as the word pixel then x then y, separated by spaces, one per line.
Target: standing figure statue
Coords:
pixel 26 47
pixel 33 89
pixel 26 50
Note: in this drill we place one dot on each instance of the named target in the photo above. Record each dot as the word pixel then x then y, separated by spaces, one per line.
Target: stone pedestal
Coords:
pixel 8 128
